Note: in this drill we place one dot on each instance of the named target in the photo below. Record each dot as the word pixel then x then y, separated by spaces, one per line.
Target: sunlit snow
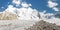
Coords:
pixel 27 16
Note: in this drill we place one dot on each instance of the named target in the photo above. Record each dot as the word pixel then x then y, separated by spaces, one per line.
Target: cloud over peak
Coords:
pixel 53 5
pixel 17 2
pixel 24 4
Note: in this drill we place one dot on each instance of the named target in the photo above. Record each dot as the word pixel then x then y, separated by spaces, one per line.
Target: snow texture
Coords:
pixel 16 24
pixel 27 16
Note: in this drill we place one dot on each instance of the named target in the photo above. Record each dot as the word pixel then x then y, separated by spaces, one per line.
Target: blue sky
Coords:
pixel 4 3
pixel 40 5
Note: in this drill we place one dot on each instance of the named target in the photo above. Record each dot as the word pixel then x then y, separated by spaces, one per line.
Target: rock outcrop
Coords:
pixel 42 25
pixel 8 16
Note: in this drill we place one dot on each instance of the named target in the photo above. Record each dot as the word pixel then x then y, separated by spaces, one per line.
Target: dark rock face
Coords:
pixel 57 15
pixel 39 15
pixel 42 25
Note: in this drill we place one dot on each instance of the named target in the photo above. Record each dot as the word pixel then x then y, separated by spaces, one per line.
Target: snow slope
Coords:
pixel 27 16
pixel 16 24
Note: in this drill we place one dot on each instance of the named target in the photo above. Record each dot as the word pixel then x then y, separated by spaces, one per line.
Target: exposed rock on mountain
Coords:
pixel 21 13
pixel 8 16
pixel 42 25
pixel 57 15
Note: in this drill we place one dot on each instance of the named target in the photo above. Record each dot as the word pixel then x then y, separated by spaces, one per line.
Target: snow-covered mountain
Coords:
pixel 24 16
pixel 23 13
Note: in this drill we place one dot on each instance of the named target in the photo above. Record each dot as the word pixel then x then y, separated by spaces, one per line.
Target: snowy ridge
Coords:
pixel 26 15
pixel 25 12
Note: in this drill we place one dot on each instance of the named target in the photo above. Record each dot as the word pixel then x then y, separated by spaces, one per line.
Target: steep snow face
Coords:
pixel 25 12
pixel 28 13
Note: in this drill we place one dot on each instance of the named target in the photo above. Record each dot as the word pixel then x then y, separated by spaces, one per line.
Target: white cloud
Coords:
pixel 17 2
pixel 2 7
pixel 53 5
pixel 56 9
pixel 53 20
pixel 25 4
